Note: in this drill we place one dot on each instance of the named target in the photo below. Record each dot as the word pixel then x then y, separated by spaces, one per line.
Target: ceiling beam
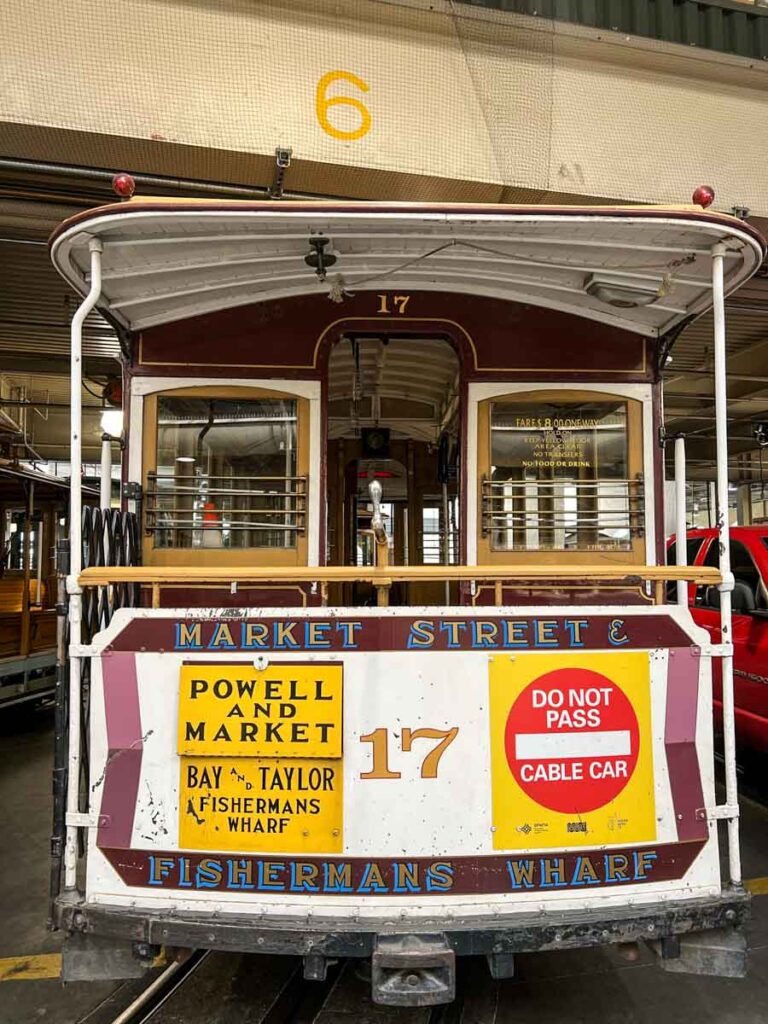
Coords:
pixel 93 366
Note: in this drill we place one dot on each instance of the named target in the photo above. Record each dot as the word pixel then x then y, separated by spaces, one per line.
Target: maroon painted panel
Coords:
pixel 125 747
pixel 400 633
pixel 559 871
pixel 680 743
pixel 492 336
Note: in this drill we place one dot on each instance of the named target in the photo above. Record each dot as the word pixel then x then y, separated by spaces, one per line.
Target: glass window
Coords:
pixel 433 535
pixel 14 541
pixel 691 547
pixel 226 474
pixel 559 477
pixel 746 575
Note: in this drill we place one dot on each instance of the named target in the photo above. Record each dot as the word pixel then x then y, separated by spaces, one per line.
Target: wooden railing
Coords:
pixel 383 577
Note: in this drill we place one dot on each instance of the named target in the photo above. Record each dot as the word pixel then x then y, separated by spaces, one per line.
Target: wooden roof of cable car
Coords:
pixel 166 260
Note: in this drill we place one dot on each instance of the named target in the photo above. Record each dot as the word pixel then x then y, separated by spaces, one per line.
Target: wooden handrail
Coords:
pixel 385 576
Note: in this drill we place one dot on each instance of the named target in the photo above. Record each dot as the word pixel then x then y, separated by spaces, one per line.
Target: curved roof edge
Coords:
pixel 166 260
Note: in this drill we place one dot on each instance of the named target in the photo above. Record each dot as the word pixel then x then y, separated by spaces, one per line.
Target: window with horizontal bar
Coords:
pixel 226 474
pixel 559 477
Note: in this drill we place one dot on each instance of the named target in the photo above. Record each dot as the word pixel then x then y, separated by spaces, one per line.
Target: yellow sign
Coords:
pixel 255 804
pixel 238 711
pixel 571 750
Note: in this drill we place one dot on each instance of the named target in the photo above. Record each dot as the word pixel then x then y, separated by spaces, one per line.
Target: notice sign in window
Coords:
pixel 239 711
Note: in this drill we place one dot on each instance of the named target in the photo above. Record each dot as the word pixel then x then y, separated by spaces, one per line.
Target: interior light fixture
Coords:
pixel 112 422
pixel 185 458
pixel 622 292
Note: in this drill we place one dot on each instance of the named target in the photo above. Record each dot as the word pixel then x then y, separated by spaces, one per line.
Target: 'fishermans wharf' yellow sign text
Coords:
pixel 255 804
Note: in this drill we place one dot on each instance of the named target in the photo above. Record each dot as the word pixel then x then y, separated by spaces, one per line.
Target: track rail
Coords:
pixel 218 988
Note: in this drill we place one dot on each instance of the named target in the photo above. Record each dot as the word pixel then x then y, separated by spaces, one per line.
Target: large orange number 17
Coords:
pixel 379 739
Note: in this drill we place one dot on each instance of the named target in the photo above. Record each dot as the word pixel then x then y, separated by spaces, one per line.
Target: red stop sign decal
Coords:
pixel 572 740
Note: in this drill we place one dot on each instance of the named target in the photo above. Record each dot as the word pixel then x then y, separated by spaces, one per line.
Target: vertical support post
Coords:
pixel 726 587
pixel 711 503
pixel 445 537
pixel 681 525
pixel 27 557
pixel 39 551
pixel 76 564
pixel 745 504
pixel 60 732
pixel 105 499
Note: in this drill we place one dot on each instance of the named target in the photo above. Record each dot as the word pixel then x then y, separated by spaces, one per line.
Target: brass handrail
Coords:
pixel 385 575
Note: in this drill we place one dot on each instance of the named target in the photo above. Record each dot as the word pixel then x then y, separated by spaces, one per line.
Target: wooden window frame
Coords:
pixel 224 556
pixel 486 555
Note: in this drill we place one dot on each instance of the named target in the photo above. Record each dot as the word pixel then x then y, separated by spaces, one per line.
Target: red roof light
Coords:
pixel 704 196
pixel 124 185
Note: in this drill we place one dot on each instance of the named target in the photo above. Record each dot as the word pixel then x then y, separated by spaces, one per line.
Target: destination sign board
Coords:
pixel 255 804
pixel 285 710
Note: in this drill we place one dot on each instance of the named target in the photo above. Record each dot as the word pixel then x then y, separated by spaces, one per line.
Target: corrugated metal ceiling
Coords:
pixel 719 25
pixel 36 307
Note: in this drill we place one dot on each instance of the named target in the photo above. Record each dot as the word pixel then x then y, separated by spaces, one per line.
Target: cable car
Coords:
pixel 33 511
pixel 395 674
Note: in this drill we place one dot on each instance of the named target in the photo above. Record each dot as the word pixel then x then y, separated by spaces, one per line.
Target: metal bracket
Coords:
pixel 729 582
pixel 665 437
pixel 83 651
pixel 721 650
pixel 721 812
pixel 283 156
pixel 132 491
pixel 78 819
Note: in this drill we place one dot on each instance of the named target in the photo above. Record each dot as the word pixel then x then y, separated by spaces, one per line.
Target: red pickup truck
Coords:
pixel 749 563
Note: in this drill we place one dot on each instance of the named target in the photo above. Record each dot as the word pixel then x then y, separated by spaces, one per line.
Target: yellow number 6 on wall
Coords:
pixel 323 103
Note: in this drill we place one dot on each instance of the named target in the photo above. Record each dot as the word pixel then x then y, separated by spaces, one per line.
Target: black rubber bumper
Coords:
pixel 344 937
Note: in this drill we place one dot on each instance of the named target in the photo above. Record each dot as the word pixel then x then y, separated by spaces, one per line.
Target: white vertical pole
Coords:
pixel 726 587
pixel 681 525
pixel 105 500
pixel 39 554
pixel 76 563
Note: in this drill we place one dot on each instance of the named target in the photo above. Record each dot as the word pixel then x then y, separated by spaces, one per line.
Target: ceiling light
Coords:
pixel 622 292
pixel 185 458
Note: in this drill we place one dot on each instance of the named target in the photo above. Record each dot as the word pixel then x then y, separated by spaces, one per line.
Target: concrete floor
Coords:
pixel 593 986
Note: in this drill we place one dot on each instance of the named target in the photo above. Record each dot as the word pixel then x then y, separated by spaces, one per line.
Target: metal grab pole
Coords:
pixel 681 525
pixel 76 564
pixel 726 587
pixel 105 500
